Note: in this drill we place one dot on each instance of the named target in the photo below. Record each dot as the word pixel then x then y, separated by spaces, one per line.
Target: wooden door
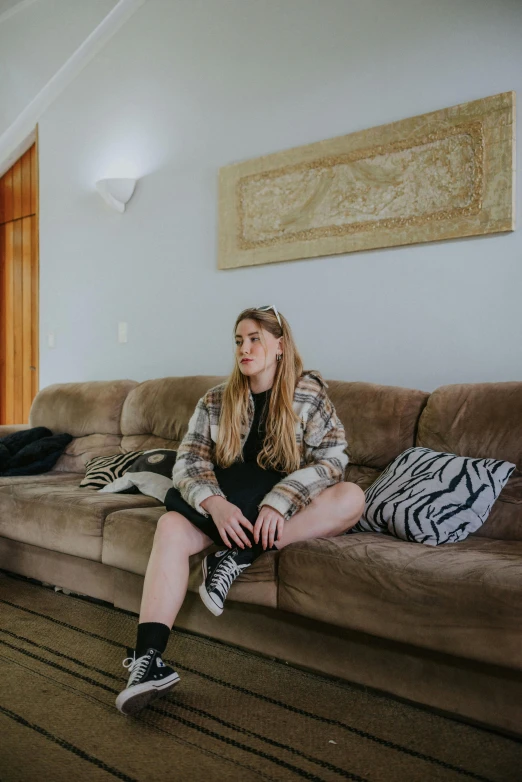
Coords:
pixel 19 375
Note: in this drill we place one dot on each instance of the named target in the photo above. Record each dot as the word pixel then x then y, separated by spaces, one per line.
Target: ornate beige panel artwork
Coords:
pixel 437 176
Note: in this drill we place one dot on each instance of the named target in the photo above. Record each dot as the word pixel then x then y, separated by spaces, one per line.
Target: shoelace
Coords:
pixel 136 667
pixel 224 574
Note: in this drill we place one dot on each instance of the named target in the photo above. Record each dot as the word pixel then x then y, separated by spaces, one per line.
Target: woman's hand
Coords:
pixel 228 519
pixel 268 523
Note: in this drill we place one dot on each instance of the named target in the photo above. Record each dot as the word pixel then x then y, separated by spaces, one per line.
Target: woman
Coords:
pixel 261 466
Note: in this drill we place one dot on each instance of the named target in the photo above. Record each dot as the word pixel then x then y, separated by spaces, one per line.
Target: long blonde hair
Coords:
pixel 280 450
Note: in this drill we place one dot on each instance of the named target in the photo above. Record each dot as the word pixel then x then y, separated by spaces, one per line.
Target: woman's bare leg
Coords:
pixel 331 513
pixel 166 578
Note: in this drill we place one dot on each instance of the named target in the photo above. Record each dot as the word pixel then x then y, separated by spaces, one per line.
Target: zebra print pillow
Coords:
pixel 105 469
pixel 432 497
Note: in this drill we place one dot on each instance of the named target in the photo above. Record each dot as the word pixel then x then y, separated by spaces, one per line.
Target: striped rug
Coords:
pixel 234 715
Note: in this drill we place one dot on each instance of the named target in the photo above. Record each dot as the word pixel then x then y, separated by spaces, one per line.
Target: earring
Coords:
pixel 279 356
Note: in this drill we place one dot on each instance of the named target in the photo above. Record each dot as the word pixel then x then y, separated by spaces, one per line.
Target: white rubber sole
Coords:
pixel 207 600
pixel 133 699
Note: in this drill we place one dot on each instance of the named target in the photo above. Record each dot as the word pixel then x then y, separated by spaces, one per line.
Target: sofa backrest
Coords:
pixel 380 421
pixel 90 412
pixel 109 417
pixel 156 413
pixel 483 420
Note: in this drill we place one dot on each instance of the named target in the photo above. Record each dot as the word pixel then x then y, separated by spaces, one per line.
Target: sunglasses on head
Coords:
pixel 267 307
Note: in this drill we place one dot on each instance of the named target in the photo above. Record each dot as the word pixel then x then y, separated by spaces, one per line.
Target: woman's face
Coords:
pixel 249 346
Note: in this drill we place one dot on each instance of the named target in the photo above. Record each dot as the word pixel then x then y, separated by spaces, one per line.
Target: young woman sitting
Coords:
pixel 261 466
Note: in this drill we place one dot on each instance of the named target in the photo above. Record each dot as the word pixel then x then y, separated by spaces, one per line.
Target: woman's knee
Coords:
pixel 174 529
pixel 350 501
pixel 172 525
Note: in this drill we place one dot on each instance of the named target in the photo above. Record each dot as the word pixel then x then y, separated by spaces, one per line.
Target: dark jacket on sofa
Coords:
pixel 31 451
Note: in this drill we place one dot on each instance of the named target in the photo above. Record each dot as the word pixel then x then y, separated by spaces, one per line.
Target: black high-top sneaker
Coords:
pixel 220 569
pixel 149 678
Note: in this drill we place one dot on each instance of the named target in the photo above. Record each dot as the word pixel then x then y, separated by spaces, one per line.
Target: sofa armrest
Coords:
pixel 6 429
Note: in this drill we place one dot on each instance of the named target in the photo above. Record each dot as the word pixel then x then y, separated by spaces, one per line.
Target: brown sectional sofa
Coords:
pixel 438 626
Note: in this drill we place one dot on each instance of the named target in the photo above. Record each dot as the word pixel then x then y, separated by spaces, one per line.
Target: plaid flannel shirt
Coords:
pixel 319 433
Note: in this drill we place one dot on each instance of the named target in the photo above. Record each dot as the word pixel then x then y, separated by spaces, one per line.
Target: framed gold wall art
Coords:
pixel 441 175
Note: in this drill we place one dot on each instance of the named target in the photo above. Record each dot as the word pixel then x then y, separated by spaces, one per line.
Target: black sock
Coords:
pixel 153 635
pixel 257 549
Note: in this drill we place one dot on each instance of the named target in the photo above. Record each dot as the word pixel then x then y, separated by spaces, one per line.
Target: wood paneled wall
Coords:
pixel 19 376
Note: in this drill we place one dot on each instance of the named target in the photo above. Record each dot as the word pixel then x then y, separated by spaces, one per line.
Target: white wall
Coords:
pixel 187 86
pixel 35 42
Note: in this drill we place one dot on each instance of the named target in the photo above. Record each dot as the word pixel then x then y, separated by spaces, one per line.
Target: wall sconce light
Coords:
pixel 116 192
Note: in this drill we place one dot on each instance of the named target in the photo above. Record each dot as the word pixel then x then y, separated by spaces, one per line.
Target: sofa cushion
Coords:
pixel 464 599
pixel 474 419
pixel 46 478
pixel 127 542
pixel 505 520
pixel 503 523
pixel 60 516
pixel 105 469
pixel 380 421
pixel 83 410
pixel 150 473
pixel 481 420
pixel 156 413
pixel 432 497
pixel 83 449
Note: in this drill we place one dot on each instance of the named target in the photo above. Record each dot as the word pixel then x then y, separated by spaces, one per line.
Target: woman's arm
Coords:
pixel 193 474
pixel 329 451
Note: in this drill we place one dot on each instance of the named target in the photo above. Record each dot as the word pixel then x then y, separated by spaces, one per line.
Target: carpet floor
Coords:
pixel 234 716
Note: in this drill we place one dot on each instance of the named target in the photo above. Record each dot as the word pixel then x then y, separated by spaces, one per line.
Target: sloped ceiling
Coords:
pixel 34 44
pixel 43 46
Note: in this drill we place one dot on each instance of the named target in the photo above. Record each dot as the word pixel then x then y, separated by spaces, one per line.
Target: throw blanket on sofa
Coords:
pixel 31 451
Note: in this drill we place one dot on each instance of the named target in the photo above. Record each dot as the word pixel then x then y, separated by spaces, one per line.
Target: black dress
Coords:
pixel 243 483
